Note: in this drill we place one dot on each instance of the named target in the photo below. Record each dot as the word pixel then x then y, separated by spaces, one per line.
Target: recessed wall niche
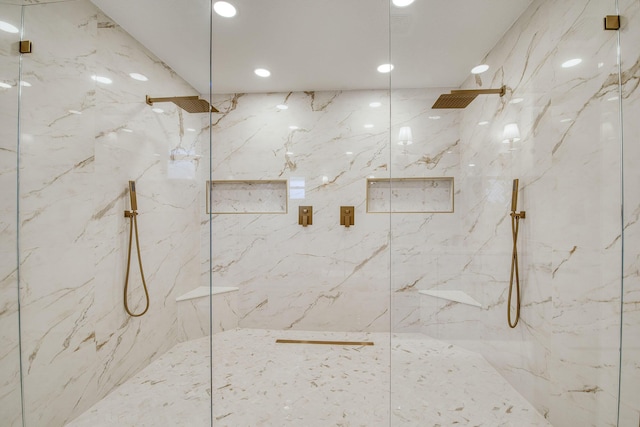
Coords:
pixel 410 195
pixel 247 197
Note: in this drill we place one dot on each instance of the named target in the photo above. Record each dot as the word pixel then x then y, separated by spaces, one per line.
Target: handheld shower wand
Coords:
pixel 515 225
pixel 132 195
pixel 133 216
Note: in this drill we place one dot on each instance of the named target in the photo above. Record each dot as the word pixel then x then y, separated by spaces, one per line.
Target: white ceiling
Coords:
pixel 318 44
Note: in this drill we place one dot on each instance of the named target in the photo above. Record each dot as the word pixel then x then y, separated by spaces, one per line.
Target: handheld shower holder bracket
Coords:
pixel 129 214
pixel 520 215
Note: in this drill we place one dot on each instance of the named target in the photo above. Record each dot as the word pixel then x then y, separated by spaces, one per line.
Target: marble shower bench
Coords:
pixel 193 311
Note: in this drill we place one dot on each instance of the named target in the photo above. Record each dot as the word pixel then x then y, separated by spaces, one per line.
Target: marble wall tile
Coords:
pixel 324 276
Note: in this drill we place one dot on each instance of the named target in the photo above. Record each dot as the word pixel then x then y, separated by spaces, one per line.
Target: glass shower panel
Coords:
pixel 554 129
pixel 630 103
pixel 306 137
pixel 87 131
pixel 10 400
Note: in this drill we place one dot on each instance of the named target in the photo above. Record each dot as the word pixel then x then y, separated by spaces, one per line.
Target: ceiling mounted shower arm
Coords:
pixel 191 104
pixel 500 91
pixel 461 98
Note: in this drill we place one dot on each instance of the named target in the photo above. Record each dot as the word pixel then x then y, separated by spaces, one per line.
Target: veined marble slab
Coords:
pixel 452 295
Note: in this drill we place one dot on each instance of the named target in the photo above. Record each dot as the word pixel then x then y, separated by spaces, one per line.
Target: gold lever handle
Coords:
pixel 347 215
pixel 305 215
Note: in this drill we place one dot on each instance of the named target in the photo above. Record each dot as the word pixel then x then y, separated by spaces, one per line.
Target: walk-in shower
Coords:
pixel 302 214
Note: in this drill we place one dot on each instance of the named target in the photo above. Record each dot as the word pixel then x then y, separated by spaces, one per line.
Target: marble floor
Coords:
pixel 257 382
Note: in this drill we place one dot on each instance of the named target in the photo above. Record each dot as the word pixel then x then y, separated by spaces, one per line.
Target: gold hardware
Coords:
pixel 281 341
pixel 515 226
pixel 191 104
pixel 133 226
pixel 461 98
pixel 305 215
pixel 476 92
pixel 25 46
pixel 612 22
pixel 347 215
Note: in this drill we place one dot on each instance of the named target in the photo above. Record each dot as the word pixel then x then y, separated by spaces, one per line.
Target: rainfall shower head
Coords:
pixel 191 104
pixel 462 98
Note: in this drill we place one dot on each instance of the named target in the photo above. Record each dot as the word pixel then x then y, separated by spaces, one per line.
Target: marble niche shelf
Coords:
pixel 452 295
pixel 247 197
pixel 410 195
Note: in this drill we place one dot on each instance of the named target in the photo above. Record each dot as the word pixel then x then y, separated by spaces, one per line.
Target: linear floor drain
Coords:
pixel 324 342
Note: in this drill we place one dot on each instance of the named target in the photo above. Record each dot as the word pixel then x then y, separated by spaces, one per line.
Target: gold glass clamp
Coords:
pixel 305 215
pixel 347 215
pixel 612 22
pixel 26 46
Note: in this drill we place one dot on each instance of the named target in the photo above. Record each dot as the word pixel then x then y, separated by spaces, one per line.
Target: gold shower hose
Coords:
pixel 134 225
pixel 515 225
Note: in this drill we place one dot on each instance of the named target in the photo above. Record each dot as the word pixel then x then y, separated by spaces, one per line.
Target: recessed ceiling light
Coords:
pixel 191 130
pixel 348 153
pixel 293 127
pixel 5 26
pixel 516 100
pixel 289 153
pixel 102 79
pixel 571 63
pixel 385 68
pixel 434 117
pixel 75 112
pixel 157 110
pixel 282 107
pixel 138 76
pixel 127 130
pixel 375 104
pixel 482 123
pixel 5 85
pixel 25 84
pixel 368 126
pixel 472 164
pixel 479 69
pixel 224 9
pixel 262 72
pixel 402 3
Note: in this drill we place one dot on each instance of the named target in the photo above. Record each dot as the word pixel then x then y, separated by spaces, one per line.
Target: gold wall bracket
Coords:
pixel 347 215
pixel 25 46
pixel 612 22
pixel 305 215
